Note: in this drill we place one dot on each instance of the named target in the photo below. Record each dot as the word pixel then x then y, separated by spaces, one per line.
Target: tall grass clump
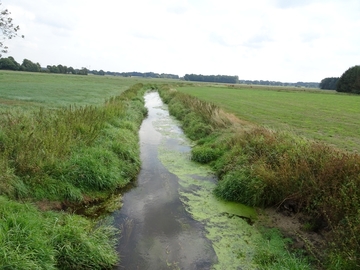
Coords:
pixel 61 154
pixel 30 239
pixel 262 167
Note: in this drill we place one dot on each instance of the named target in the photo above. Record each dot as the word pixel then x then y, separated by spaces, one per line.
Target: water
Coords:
pixel 171 220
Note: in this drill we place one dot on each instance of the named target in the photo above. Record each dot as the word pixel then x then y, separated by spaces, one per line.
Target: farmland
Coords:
pixel 32 90
pixel 322 115
pixel 70 138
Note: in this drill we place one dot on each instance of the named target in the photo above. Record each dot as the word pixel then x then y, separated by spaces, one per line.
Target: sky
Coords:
pixel 276 40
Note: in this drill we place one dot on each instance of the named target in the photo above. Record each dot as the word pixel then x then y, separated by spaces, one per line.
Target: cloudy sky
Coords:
pixel 280 40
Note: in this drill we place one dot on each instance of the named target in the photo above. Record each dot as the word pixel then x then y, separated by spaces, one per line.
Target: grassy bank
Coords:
pixel 30 239
pixel 323 115
pixel 262 167
pixel 54 158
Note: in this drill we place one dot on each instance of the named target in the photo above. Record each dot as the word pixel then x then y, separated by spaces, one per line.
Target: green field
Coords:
pixel 58 154
pixel 322 115
pixel 31 90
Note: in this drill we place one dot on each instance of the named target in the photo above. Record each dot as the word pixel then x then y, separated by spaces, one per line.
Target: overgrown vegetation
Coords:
pixel 30 239
pixel 262 167
pixel 72 155
pixel 68 153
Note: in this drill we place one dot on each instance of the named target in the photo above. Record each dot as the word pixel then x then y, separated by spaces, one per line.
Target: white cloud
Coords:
pixel 263 39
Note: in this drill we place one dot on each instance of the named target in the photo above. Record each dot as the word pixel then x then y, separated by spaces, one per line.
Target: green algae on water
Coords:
pixel 233 239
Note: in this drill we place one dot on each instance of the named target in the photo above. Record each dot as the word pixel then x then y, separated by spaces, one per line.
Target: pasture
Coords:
pixel 316 114
pixel 32 90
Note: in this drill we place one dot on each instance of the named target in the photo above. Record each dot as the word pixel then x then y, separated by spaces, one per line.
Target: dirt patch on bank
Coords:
pixel 295 226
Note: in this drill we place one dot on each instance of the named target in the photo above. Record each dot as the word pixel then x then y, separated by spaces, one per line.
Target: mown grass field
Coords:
pixel 323 115
pixel 32 90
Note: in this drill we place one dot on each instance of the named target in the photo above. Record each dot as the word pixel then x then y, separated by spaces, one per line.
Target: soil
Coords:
pixel 294 225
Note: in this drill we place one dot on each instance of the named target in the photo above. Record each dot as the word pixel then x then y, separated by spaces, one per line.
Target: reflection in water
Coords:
pixel 157 231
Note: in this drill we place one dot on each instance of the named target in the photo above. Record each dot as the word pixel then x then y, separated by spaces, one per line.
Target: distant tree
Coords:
pixel 7 29
pixel 62 69
pixel 53 69
pixel 349 82
pixel 329 83
pixel 82 71
pixel 27 65
pixel 71 70
pixel 9 64
pixel 101 72
pixel 211 78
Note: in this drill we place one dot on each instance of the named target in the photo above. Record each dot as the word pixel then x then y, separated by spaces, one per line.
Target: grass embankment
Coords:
pixel 262 167
pixel 318 114
pixel 72 155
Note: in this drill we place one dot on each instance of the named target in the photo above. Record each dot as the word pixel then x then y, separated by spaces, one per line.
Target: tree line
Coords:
pixel 235 80
pixel 144 74
pixel 329 83
pixel 278 83
pixel 349 82
pixel 10 63
pixel 211 78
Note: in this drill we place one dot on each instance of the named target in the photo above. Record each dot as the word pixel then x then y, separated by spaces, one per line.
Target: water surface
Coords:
pixel 171 220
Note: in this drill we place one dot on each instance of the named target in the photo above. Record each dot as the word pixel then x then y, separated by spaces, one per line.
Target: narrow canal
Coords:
pixel 171 220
